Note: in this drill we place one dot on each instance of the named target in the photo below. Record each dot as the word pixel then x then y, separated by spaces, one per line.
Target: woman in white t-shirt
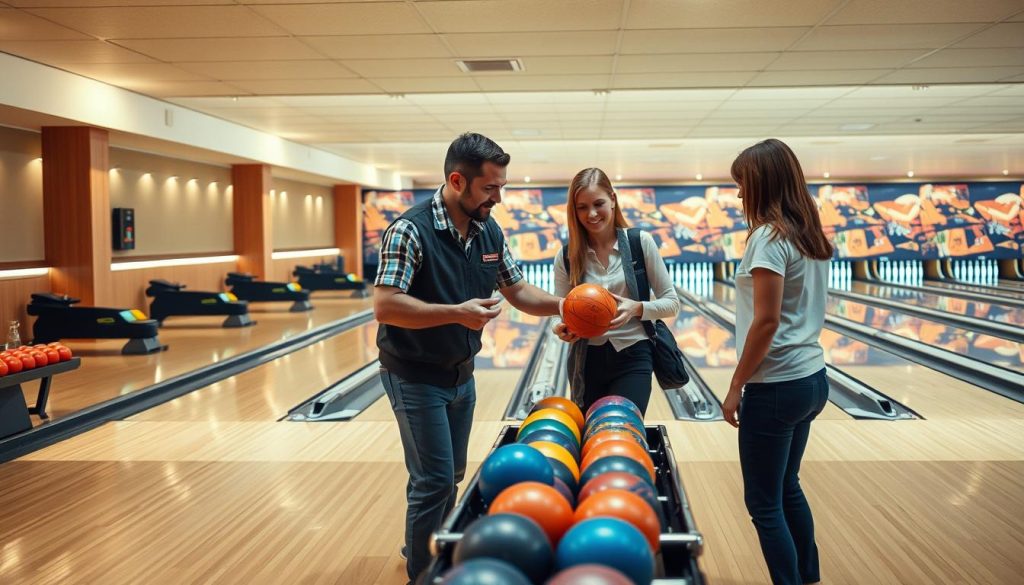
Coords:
pixel 620 362
pixel 779 385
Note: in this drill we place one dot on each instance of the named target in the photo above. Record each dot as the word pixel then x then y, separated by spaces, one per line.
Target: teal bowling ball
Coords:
pixel 607 541
pixel 510 465
pixel 551 436
pixel 617 423
pixel 549 424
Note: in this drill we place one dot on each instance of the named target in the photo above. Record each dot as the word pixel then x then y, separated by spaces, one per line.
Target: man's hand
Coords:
pixel 475 313
pixel 563 333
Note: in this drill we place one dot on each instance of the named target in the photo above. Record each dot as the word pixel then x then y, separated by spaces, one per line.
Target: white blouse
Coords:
pixel 664 306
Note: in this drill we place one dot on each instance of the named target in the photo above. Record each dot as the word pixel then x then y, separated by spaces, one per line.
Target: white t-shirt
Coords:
pixel 794 352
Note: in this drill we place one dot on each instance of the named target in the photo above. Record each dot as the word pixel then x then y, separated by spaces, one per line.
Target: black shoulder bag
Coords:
pixel 668 360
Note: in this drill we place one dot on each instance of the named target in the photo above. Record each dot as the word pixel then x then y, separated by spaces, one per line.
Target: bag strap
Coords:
pixel 643 286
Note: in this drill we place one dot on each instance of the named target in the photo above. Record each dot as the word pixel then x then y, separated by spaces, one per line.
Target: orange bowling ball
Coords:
pixel 606 435
pixel 624 506
pixel 557 415
pixel 539 502
pixel 588 310
pixel 565 405
pixel 624 448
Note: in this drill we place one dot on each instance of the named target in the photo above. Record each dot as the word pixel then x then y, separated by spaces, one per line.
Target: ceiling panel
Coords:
pixel 874 37
pixel 422 46
pixel 346 19
pixel 90 51
pixel 162 22
pixel 182 88
pixel 725 40
pixel 540 82
pixel 510 44
pixel 828 77
pixel 726 13
pixel 229 70
pixel 16 25
pixel 301 86
pixel 694 62
pixel 500 16
pixel 952 75
pixel 675 80
pixel 222 49
pixel 923 11
pixel 1006 34
pixel 418 84
pixel 974 58
pixel 133 72
pixel 404 67
pixel 831 60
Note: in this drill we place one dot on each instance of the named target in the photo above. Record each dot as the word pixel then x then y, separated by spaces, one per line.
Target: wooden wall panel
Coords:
pixel 348 225
pixel 282 269
pixel 76 211
pixel 130 285
pixel 250 196
pixel 15 293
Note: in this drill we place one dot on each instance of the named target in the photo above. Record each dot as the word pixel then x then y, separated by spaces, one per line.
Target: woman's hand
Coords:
pixel 731 406
pixel 628 308
pixel 563 333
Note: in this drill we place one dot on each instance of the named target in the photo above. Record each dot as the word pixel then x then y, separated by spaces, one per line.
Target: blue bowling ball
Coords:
pixel 551 436
pixel 607 541
pixel 615 463
pixel 512 464
pixel 512 538
pixel 563 474
pixel 484 572
pixel 614 410
pixel 566 491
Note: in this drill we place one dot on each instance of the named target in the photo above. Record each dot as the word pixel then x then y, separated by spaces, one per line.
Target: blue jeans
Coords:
pixel 775 421
pixel 434 423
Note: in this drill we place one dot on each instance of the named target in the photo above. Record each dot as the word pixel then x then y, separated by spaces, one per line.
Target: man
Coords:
pixel 439 264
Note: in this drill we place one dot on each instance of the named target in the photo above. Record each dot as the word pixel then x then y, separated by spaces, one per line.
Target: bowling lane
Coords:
pixel 992 311
pixel 995 293
pixel 193 342
pixel 712 351
pixel 931 393
pixel 268 392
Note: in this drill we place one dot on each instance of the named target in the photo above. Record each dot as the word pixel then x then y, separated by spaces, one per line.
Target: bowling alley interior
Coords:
pixel 195 196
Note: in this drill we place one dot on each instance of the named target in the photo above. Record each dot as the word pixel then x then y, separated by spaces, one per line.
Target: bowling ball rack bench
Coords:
pixel 14 413
pixel 681 543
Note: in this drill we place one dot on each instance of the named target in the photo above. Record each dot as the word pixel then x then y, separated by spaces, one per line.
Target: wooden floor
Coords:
pixel 210 488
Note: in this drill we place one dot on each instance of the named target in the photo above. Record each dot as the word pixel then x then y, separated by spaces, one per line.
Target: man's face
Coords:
pixel 483 192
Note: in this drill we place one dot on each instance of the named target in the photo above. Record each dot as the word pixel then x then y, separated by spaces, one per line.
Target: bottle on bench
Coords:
pixel 13 336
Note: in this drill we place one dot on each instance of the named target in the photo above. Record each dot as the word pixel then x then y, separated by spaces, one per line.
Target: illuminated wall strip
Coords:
pixel 24 273
pixel 305 253
pixel 117 266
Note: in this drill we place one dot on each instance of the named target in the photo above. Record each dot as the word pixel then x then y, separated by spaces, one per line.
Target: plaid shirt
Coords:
pixel 401 252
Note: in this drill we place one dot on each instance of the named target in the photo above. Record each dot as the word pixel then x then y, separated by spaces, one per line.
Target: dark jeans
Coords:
pixel 619 373
pixel 775 421
pixel 434 423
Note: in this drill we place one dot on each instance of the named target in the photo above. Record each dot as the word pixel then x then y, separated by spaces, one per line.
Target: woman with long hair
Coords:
pixel 619 362
pixel 779 385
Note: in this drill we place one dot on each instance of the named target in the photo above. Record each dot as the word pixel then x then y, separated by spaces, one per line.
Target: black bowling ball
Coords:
pixel 512 538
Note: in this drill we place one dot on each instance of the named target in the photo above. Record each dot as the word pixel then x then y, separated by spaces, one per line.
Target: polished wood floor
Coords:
pixel 210 488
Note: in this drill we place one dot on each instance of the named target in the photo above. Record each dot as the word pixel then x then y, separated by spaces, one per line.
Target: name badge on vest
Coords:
pixel 489 257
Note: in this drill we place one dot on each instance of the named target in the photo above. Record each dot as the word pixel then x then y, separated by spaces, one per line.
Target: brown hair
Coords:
pixel 774 192
pixel 577 250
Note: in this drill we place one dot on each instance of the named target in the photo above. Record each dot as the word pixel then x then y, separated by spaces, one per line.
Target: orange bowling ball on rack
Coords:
pixel 588 310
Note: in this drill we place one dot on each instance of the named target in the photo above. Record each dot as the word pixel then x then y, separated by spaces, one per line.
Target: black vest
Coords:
pixel 443 356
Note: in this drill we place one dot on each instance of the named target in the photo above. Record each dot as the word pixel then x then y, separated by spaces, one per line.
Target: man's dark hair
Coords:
pixel 468 153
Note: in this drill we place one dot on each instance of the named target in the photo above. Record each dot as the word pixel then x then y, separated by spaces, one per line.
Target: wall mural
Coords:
pixel 898 221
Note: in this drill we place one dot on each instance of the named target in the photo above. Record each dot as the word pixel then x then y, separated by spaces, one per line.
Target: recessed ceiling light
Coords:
pixel 1006 172
pixel 526 179
pixel 910 173
pixel 619 177
pixel 700 177
pixel 855 127
pixel 827 174
pixel 490 65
